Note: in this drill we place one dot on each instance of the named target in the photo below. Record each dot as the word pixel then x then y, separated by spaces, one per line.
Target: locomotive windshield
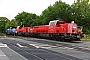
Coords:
pixel 12 27
pixel 60 22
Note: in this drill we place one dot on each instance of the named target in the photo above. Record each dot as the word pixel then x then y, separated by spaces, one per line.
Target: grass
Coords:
pixel 87 38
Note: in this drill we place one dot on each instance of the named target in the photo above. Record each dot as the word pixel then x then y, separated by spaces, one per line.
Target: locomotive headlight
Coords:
pixel 74 27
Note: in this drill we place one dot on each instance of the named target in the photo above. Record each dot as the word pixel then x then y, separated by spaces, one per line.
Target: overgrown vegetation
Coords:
pixel 79 12
pixel 87 37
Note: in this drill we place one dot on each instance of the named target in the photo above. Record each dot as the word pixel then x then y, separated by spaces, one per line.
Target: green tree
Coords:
pixel 37 21
pixel 7 24
pixel 3 21
pixel 60 10
pixel 13 23
pixel 25 18
pixel 81 14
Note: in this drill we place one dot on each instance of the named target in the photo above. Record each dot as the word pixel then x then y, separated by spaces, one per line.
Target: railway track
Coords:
pixel 85 49
pixel 41 54
pixel 26 51
pixel 32 53
pixel 65 45
pixel 40 48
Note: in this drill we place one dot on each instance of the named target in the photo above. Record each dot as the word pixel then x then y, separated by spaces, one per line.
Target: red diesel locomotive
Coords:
pixel 22 30
pixel 57 30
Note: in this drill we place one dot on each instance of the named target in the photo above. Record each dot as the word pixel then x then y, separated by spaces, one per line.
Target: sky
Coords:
pixel 10 8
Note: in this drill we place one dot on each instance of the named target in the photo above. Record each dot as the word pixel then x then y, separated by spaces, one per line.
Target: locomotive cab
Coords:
pixel 59 22
pixel 59 28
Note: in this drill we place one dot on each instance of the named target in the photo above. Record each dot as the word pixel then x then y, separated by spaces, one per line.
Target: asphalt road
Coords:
pixel 42 49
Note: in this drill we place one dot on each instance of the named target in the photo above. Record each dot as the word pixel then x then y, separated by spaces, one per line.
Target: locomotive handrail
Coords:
pixel 81 27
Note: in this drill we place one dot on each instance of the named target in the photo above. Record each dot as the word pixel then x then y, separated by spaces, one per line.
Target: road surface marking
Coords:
pixel 3 45
pixel 20 45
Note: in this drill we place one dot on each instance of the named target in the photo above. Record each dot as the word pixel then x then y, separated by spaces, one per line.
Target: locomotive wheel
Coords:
pixel 13 34
pixel 78 39
pixel 57 38
pixel 50 36
pixel 19 34
pixel 36 35
pixel 26 34
pixel 7 33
